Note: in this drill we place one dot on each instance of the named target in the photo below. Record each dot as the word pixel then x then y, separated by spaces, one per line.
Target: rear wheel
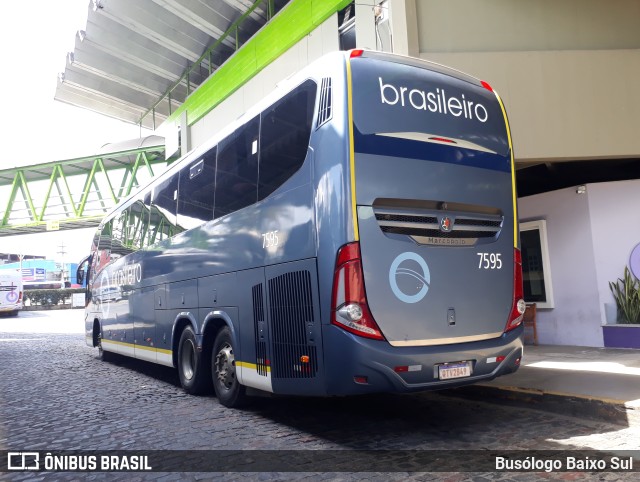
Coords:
pixel 102 354
pixel 223 368
pixel 194 375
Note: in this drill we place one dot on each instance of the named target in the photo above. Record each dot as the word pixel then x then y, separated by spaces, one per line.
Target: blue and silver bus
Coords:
pixel 355 232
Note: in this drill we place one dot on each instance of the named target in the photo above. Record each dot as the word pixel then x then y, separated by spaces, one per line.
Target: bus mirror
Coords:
pixel 80 275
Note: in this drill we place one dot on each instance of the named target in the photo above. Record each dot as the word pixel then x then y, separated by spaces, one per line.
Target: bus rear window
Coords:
pixel 402 101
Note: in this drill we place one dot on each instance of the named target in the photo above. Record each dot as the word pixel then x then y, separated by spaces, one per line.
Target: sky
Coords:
pixel 34 40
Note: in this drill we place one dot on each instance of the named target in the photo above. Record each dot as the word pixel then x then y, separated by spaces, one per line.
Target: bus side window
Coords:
pixel 196 191
pixel 137 220
pixel 237 169
pixel 146 235
pixel 162 222
pixel 119 235
pixel 284 137
pixel 103 257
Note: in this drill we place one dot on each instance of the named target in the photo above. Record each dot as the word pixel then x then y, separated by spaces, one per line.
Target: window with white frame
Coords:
pixel 536 273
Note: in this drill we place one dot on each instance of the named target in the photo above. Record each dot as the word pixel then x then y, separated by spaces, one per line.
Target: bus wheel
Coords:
pixel 103 355
pixel 194 376
pixel 223 367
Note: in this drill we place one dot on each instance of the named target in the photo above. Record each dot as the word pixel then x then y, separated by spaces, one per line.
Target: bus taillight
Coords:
pixel 350 310
pixel 519 306
pixel 486 85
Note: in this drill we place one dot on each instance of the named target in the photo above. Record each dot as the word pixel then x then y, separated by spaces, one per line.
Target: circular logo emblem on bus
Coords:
pixel 409 277
pixel 12 296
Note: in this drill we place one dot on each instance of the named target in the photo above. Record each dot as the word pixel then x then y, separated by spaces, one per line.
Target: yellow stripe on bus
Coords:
pixel 513 173
pixel 252 366
pixel 139 347
pixel 352 160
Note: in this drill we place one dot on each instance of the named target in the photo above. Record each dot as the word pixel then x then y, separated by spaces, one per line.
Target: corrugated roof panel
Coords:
pixel 131 53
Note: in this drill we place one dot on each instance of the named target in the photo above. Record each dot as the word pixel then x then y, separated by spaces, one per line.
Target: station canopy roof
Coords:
pixel 131 55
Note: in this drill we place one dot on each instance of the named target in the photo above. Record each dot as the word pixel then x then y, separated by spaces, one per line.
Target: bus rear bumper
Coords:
pixel 355 365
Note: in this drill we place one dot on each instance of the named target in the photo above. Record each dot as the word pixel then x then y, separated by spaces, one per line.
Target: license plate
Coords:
pixel 454 370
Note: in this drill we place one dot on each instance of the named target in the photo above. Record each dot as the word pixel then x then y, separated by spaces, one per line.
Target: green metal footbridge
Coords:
pixel 76 193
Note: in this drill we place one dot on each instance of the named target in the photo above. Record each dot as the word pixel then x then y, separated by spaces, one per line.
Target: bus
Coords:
pixel 355 232
pixel 11 292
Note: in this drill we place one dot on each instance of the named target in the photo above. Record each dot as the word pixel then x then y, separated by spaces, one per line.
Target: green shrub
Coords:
pixel 626 292
pixel 51 297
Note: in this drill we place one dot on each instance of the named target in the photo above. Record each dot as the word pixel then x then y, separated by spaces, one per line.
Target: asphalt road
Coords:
pixel 56 395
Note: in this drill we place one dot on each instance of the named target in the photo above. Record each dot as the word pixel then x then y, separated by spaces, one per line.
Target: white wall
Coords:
pixel 615 222
pixel 322 40
pixel 590 238
pixel 563 105
pixel 566 70
pixel 576 318
pixel 508 25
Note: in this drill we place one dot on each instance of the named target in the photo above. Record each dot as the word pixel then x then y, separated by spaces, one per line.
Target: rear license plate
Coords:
pixel 454 370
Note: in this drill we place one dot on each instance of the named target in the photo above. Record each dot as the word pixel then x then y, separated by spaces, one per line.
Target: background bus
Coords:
pixel 353 233
pixel 10 292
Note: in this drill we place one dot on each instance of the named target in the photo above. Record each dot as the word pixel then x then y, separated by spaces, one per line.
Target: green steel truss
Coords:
pixel 73 193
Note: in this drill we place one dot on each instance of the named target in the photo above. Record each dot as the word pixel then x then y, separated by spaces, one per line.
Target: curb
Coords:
pixel 603 410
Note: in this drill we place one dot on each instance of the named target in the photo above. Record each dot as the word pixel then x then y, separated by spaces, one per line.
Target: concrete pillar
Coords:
pixel 365 27
pixel 403 20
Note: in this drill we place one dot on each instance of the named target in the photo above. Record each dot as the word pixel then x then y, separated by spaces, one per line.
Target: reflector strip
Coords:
pixel 513 173
pixel 352 158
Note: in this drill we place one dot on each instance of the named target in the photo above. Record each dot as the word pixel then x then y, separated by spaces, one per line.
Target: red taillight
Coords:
pixel 518 307
pixel 20 296
pixel 486 86
pixel 356 53
pixel 350 310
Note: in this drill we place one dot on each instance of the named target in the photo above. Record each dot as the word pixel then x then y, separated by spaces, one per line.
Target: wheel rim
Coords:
pixel 225 367
pixel 188 359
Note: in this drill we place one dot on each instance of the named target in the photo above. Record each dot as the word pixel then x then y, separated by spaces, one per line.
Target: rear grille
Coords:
pixel 291 309
pixel 403 218
pixel 259 326
pixel 324 109
pixel 426 226
pixel 479 222
pixel 437 233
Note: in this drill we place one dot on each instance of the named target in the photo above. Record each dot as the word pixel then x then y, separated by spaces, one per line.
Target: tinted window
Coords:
pixel 162 218
pixel 196 191
pixel 237 169
pixel 390 97
pixel 104 247
pixel 136 228
pixel 284 137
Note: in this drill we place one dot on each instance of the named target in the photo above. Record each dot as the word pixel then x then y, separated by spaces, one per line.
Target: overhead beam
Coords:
pixel 157 24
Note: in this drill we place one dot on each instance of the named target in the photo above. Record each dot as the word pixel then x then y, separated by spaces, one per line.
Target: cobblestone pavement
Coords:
pixel 56 395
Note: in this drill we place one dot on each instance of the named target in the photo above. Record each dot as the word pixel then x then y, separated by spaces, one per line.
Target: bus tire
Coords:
pixel 193 373
pixel 102 354
pixel 228 389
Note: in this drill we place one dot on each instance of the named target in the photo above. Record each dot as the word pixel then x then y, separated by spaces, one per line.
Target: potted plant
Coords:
pixel 626 332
